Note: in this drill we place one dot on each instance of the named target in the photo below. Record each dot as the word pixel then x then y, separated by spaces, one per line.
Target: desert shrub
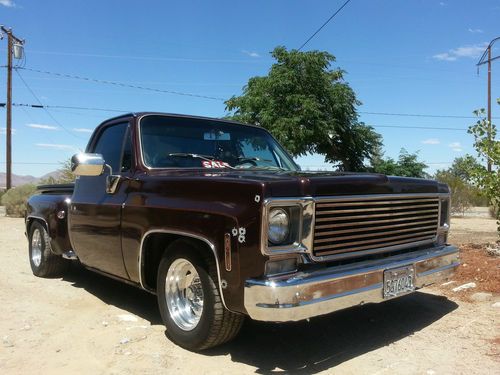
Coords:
pixel 494 211
pixel 15 199
pixel 462 193
pixel 2 192
pixel 478 199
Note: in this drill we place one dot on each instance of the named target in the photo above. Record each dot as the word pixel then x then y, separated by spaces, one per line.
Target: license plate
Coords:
pixel 399 281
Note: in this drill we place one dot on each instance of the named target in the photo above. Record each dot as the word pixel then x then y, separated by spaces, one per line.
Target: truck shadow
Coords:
pixel 301 347
pixel 325 342
pixel 116 293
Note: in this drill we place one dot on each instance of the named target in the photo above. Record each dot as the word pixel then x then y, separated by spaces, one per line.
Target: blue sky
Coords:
pixel 412 56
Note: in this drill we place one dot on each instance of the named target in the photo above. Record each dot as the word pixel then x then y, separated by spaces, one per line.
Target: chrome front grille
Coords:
pixel 347 227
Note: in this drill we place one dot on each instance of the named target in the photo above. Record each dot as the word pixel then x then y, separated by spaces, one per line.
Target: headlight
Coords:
pixel 287 226
pixel 279 226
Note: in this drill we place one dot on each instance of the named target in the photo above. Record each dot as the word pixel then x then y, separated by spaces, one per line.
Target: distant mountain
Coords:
pixel 21 180
pixel 55 174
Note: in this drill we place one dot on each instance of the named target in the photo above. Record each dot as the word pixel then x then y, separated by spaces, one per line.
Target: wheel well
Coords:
pixel 31 220
pixel 153 249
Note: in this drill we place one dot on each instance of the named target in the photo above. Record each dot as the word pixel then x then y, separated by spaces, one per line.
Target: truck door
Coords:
pixel 95 215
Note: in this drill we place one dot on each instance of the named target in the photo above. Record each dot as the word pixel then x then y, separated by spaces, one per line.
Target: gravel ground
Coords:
pixel 86 323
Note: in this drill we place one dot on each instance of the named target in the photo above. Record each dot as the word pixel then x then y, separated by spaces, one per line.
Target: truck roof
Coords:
pixel 140 114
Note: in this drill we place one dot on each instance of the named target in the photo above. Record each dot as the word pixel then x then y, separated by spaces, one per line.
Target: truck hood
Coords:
pixel 295 184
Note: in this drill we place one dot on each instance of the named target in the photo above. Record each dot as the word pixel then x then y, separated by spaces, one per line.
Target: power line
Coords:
pixel 419 115
pixel 154 58
pixel 43 107
pixel 127 111
pixel 121 84
pixel 31 163
pixel 416 127
pixel 328 20
pixel 66 107
pixel 373 125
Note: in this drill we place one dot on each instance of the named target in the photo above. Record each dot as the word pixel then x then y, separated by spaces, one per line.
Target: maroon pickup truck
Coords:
pixel 217 220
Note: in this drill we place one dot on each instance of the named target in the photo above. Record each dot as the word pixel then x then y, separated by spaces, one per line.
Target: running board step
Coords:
pixel 70 255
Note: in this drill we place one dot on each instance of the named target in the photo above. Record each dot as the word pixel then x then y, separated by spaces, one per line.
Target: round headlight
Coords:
pixel 279 226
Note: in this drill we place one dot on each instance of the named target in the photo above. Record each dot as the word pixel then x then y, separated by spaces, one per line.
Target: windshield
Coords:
pixel 177 142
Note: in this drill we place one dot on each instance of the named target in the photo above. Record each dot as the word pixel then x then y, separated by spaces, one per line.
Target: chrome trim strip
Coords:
pixel 365 236
pixel 139 140
pixel 303 295
pixel 369 250
pixel 435 206
pixel 40 218
pixel 361 223
pixel 443 268
pixel 186 234
pixel 401 225
pixel 323 299
pixel 378 196
pixel 388 202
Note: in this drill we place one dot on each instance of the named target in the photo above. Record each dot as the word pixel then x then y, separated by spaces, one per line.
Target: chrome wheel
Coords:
pixel 184 294
pixel 36 247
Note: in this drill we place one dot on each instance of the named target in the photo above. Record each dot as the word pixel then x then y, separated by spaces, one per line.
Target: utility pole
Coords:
pixel 482 60
pixel 14 46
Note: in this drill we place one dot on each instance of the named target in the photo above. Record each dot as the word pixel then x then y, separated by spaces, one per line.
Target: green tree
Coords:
pixel 309 108
pixel 64 175
pixel 462 167
pixel 407 165
pixel 488 148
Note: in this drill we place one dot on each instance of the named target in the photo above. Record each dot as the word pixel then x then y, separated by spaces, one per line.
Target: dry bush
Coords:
pixel 15 199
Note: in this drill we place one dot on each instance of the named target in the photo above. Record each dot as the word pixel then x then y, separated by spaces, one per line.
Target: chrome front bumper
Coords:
pixel 304 295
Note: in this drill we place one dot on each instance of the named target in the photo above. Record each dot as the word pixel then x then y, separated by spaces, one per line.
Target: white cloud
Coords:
pixel 455 146
pixel 471 51
pixel 7 3
pixel 431 141
pixel 475 31
pixel 42 126
pixel 83 130
pixel 250 53
pixel 56 146
pixel 444 57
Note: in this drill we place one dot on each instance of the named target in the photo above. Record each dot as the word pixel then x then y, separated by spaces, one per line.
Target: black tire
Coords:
pixel 46 264
pixel 216 324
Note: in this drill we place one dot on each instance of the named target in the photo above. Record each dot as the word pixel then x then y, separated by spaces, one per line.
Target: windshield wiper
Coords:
pixel 243 158
pixel 208 158
pixel 191 155
pixel 269 167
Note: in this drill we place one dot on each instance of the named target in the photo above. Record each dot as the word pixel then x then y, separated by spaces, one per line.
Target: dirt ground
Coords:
pixel 471 229
pixel 86 323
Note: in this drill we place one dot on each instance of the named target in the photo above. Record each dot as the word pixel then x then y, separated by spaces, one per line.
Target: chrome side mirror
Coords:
pixel 87 164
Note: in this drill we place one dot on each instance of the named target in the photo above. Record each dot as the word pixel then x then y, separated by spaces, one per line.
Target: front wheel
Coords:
pixel 42 261
pixel 189 299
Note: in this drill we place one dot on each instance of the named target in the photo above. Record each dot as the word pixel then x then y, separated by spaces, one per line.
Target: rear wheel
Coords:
pixel 189 299
pixel 43 262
